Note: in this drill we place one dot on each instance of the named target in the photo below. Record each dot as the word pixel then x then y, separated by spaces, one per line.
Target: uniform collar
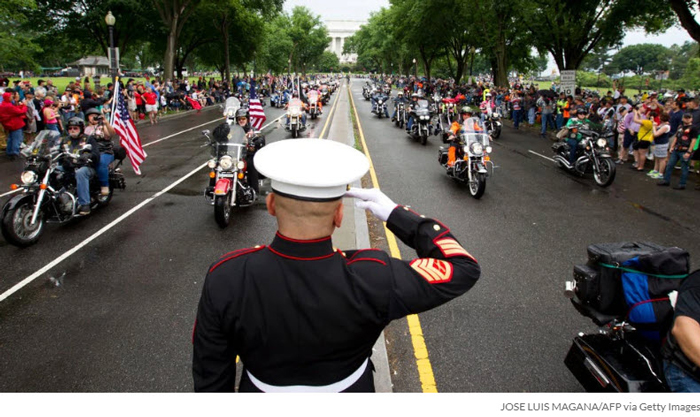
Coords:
pixel 302 249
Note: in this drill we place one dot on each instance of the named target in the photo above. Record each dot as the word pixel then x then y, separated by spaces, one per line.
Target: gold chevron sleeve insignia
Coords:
pixel 450 247
pixel 435 271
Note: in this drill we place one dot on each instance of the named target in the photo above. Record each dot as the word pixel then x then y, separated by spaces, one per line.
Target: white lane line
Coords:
pixel 542 156
pixel 97 234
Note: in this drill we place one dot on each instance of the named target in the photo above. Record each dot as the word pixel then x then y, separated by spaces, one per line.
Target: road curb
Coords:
pixel 341 130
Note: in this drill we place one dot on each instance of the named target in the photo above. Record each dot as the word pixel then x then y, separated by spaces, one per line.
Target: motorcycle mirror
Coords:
pixel 206 132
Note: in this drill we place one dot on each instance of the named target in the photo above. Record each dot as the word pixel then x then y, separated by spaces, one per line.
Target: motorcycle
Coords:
pixel 366 89
pixel 49 193
pixel 401 117
pixel 295 123
pixel 421 121
pixel 472 157
pixel 325 95
pixel 623 355
pixel 229 184
pixel 380 105
pixel 279 98
pixel 313 103
pixel 494 124
pixel 592 155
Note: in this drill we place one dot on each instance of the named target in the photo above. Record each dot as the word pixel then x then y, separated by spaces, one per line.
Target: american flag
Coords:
pixel 124 126
pixel 257 115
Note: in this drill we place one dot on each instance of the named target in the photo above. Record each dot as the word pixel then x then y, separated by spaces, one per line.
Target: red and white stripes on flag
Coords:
pixel 124 126
pixel 255 109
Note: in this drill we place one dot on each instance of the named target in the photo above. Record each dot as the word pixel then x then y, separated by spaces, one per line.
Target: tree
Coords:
pixel 686 10
pixel 328 62
pixel 680 57
pixel 309 37
pixel 174 14
pixel 570 30
pixel 416 25
pixel 642 58
pixel 17 49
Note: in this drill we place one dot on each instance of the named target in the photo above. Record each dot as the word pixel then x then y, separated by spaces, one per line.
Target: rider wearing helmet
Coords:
pixel 102 133
pixel 412 108
pixel 487 106
pixel 399 99
pixel 304 107
pixel 86 158
pixel 465 113
pixel 581 118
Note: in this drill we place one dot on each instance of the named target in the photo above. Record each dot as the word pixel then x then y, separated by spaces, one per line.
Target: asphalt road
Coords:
pixel 121 317
pixel 512 331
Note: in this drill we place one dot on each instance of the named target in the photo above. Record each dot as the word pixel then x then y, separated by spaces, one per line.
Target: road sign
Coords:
pixel 568 82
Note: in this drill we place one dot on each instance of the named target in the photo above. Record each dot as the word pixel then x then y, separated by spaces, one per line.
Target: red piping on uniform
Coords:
pixel 289 239
pixel 364 250
pixel 234 256
pixel 236 251
pixel 301 259
pixel 368 259
pixel 441 235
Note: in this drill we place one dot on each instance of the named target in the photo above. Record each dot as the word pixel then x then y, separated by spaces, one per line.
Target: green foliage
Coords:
pixel 691 78
pixel 17 48
pixel 327 62
pixel 642 58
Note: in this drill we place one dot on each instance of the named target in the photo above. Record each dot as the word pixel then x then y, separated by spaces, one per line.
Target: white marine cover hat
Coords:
pixel 310 169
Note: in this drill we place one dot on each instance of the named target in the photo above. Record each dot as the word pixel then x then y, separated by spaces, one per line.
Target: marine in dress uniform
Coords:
pixel 302 315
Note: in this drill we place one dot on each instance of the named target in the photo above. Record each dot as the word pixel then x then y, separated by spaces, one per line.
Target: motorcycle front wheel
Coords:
pixel 222 210
pixel 423 139
pixel 606 174
pixel 478 186
pixel 16 228
pixel 295 132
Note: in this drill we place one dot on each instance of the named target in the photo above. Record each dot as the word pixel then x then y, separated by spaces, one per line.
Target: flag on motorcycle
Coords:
pixel 257 115
pixel 128 136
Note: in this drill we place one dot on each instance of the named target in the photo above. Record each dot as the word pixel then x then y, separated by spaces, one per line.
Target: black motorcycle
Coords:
pixel 493 124
pixel 625 354
pixel 229 180
pixel 421 127
pixel 592 155
pixel 380 105
pixel 401 115
pixel 49 194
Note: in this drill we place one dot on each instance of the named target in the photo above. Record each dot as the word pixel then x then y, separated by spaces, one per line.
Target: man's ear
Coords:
pixel 270 202
pixel 338 215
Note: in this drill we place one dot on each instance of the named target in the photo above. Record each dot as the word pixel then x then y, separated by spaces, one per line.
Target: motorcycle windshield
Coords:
pixel 423 104
pixel 313 96
pixel 236 140
pixel 295 107
pixel 232 105
pixel 473 125
pixel 468 138
pixel 41 146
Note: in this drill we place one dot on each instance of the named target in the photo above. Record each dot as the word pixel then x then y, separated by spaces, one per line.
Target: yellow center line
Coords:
pixel 330 113
pixel 425 369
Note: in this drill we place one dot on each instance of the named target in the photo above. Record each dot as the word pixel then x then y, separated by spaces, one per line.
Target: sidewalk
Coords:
pixel 354 233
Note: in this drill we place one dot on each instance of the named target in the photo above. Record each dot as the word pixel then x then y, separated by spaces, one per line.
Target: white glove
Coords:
pixel 373 200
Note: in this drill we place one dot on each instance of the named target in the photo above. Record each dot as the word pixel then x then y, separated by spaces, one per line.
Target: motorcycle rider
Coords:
pixel 85 162
pixel 581 118
pixel 411 111
pixel 255 142
pixel 304 108
pixel 487 106
pixel 375 97
pixel 465 113
pixel 102 133
pixel 399 99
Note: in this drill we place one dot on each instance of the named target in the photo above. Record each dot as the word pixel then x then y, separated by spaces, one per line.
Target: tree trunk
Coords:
pixel 170 49
pixel 460 71
pixel 227 54
pixel 686 16
pixel 501 65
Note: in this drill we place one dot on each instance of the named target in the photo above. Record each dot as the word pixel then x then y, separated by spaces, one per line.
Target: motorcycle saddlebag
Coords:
pixel 603 364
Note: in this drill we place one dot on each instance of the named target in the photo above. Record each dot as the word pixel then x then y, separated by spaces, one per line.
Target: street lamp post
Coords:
pixel 415 69
pixel 110 20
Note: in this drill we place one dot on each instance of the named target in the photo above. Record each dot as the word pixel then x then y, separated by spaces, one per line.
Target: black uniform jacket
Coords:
pixel 304 313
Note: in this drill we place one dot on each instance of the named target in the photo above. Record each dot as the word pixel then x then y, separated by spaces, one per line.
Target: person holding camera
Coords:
pixel 102 133
pixel 50 114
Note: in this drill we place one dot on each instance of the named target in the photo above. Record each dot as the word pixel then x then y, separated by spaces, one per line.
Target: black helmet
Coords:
pixel 77 121
pixel 241 113
pixel 581 110
pixel 92 110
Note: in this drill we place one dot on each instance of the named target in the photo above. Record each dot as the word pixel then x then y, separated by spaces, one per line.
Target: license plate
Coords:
pixel 226 175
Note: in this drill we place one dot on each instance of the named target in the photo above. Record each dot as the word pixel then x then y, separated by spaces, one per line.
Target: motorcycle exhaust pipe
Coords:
pixel 569 289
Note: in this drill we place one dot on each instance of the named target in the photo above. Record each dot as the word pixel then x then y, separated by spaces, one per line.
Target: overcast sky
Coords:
pixel 360 10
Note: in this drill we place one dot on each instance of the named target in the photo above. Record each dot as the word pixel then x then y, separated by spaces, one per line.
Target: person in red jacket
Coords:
pixel 12 116
pixel 151 105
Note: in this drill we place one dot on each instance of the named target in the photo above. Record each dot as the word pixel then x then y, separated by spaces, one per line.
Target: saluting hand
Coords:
pixel 374 200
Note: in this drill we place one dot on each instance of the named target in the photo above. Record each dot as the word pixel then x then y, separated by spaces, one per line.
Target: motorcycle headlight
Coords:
pixel 424 117
pixel 226 162
pixel 29 177
pixel 212 164
pixel 489 149
pixel 241 164
pixel 477 148
pixel 602 142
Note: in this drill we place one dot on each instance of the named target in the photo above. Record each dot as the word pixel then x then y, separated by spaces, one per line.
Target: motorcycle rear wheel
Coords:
pixel 496 133
pixel 478 186
pixel 606 176
pixel 222 210
pixel 15 225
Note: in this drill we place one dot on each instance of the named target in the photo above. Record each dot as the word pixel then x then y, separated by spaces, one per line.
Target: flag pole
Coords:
pixel 114 101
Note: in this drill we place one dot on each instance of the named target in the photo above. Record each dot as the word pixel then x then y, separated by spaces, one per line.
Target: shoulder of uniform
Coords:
pixel 367 255
pixel 235 254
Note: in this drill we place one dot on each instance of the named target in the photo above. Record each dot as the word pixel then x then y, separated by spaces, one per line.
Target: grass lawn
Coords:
pixel 546 85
